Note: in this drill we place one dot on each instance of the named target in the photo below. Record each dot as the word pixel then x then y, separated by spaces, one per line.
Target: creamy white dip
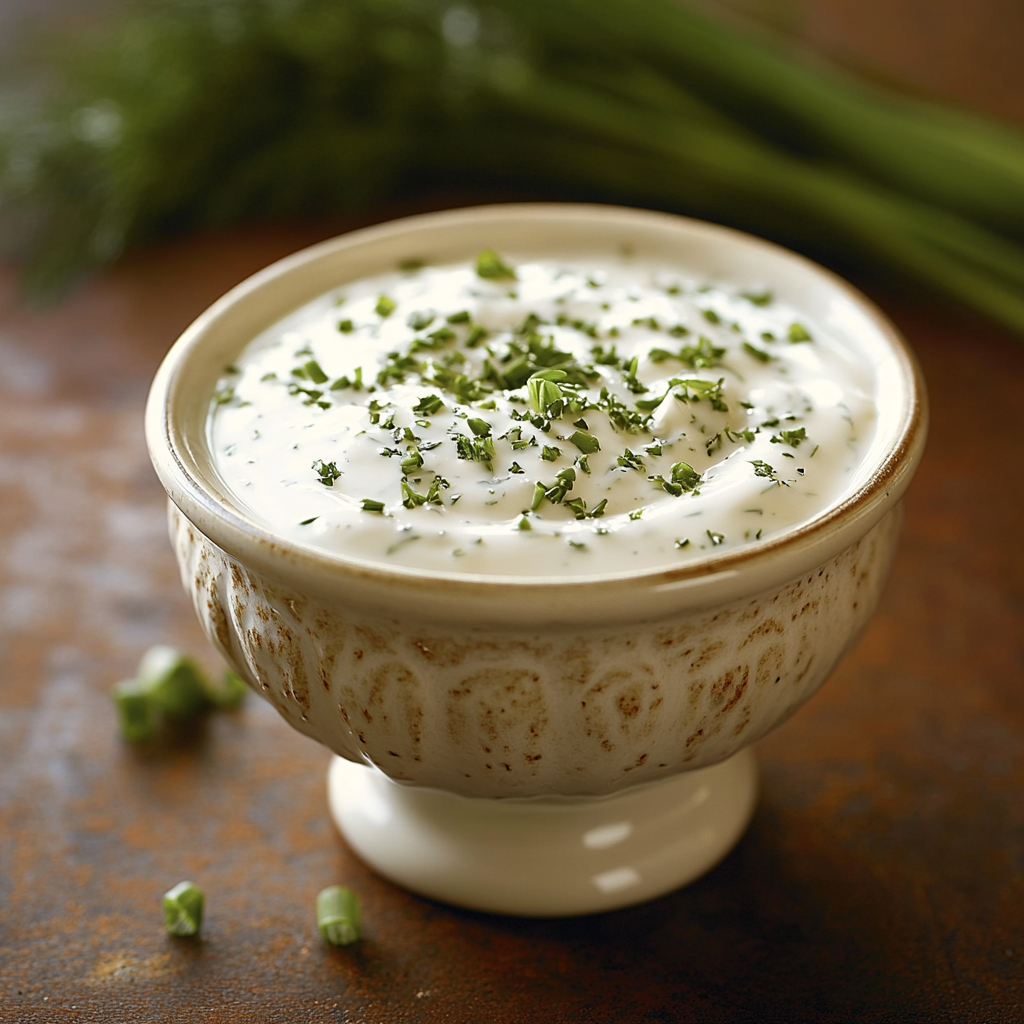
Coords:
pixel 396 420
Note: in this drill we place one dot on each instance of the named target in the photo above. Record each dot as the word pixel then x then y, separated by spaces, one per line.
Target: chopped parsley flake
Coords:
pixel 328 472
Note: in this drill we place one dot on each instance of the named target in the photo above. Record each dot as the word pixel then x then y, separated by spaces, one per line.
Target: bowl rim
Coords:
pixel 177 456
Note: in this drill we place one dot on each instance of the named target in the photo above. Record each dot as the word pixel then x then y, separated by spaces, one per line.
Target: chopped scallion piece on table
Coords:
pixel 183 909
pixel 337 915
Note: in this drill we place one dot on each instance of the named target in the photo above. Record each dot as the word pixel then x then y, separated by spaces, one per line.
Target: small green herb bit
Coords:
pixel 797 332
pixel 346 326
pixel 546 397
pixel 174 682
pixel 385 306
pixel 587 443
pixel 183 909
pixel 371 505
pixel 758 298
pixel 328 472
pixel 428 405
pixel 790 437
pixel 491 266
pixel 337 915
pixel 421 319
pixel 136 711
pixel 314 372
pixel 758 353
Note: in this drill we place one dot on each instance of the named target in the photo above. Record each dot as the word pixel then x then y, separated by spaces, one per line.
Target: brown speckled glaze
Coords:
pixel 520 713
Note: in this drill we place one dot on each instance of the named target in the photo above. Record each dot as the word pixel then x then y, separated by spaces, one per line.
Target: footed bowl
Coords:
pixel 487 725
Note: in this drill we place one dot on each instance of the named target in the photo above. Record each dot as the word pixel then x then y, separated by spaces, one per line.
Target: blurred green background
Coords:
pixel 883 137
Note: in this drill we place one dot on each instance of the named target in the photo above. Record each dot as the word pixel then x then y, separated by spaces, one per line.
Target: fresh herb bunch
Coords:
pixel 186 114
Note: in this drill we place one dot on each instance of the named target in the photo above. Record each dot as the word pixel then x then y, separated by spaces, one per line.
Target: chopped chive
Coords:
pixel 549 453
pixel 758 298
pixel 715 538
pixel 461 317
pixel 385 307
pixel 183 909
pixel 479 427
pixel 371 505
pixel 475 335
pixel 758 353
pixel 797 332
pixel 491 266
pixel 306 522
pixel 314 372
pixel 337 915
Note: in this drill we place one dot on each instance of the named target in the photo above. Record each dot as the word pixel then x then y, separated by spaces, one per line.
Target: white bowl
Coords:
pixel 511 687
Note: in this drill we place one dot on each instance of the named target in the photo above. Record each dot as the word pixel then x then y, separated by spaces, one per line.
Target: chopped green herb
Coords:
pixel 306 522
pixel 586 443
pixel 790 437
pixel 328 472
pixel 546 397
pixel 550 454
pixel 797 332
pixel 761 468
pixel 346 326
pixel 758 353
pixel 314 372
pixel 183 909
pixel 385 307
pixel 715 538
pixel 631 460
pixel 421 319
pixel 758 298
pixel 461 317
pixel 411 498
pixel 490 265
pixel 479 427
pixel 428 405
pixel 338 915
pixel 475 335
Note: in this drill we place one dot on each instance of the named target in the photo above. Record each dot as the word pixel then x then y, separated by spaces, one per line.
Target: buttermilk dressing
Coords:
pixel 542 419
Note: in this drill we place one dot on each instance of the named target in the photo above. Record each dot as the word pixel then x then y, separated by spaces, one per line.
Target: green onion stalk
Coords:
pixel 185 114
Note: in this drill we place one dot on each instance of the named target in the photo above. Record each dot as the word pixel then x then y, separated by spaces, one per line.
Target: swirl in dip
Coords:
pixel 544 418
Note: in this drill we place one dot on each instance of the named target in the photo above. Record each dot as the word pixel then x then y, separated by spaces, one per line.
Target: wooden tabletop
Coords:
pixel 882 878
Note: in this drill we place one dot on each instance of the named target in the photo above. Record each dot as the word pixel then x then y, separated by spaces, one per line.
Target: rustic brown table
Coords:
pixel 882 878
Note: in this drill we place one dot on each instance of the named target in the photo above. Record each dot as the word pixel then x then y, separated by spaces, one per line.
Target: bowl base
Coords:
pixel 547 856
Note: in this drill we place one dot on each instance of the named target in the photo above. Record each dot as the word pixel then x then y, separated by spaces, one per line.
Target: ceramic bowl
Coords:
pixel 512 687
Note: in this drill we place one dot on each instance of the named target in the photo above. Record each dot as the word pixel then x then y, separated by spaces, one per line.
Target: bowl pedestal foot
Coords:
pixel 546 856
